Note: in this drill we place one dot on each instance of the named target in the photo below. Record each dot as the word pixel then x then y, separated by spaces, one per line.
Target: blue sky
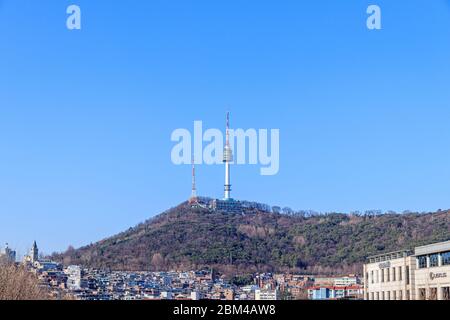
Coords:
pixel 86 116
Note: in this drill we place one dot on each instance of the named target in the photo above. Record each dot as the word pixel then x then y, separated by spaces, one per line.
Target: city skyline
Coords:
pixel 86 116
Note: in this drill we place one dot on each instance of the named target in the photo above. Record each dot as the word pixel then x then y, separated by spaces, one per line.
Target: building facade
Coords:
pixel 432 276
pixel 347 281
pixel 352 292
pixel 8 255
pixel 33 256
pixel 266 295
pixel 406 275
pixel 74 276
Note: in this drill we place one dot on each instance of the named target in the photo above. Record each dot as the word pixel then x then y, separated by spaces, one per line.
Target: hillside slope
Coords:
pixel 184 238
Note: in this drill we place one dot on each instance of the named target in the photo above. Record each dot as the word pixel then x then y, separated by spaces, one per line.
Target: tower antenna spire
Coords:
pixel 194 187
pixel 228 128
pixel 227 159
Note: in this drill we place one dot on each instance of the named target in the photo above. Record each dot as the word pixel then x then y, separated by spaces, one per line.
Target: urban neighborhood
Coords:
pixel 421 274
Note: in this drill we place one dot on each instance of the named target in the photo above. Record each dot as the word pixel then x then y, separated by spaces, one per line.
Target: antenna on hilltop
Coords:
pixel 193 198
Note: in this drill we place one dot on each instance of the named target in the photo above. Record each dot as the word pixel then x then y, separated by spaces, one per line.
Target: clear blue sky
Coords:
pixel 86 116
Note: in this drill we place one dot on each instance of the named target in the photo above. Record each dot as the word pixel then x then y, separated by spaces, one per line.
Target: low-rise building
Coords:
pixel 74 276
pixel 390 276
pixel 432 274
pixel 8 255
pixel 353 292
pixel 346 281
pixel 266 295
pixel 407 275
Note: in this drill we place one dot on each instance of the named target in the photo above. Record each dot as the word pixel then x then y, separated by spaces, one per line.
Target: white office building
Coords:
pixel 266 295
pixel 406 275
pixel 74 276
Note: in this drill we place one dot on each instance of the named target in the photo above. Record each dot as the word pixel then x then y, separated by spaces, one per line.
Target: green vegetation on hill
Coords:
pixel 185 238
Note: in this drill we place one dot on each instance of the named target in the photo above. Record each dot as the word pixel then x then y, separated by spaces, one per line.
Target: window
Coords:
pixel 446 293
pixel 400 295
pixel 422 294
pixel 446 258
pixel 407 276
pixel 382 275
pixel 378 279
pixel 388 275
pixel 388 293
pixel 393 275
pixel 433 294
pixel 422 262
pixel 400 275
pixel 373 280
pixel 394 295
pixel 408 295
pixel 378 296
pixel 434 260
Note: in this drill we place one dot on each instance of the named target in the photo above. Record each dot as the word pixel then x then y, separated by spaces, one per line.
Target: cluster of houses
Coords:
pixel 92 284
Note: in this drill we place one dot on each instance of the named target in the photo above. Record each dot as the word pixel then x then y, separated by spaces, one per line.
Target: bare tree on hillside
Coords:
pixel 17 283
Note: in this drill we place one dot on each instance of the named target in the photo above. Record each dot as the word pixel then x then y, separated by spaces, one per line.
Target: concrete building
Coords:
pixel 406 275
pixel 74 276
pixel 352 292
pixel 432 275
pixel 196 295
pixel 390 276
pixel 8 255
pixel 266 295
pixel 346 281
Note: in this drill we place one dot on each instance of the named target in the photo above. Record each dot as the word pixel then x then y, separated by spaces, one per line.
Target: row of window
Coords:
pixel 388 295
pixel 389 275
pixel 423 294
pixel 432 293
pixel 433 260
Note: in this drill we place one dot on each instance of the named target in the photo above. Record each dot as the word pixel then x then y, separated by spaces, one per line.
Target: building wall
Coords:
pixel 433 278
pixel 429 275
pixel 266 295
pixel 427 279
pixel 390 280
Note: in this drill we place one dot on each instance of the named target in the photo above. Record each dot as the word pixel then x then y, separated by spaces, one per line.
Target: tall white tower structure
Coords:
pixel 227 159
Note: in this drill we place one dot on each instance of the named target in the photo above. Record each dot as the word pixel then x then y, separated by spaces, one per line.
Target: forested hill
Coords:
pixel 185 238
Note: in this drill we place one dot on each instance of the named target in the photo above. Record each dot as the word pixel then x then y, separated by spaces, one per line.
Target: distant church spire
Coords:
pixel 34 254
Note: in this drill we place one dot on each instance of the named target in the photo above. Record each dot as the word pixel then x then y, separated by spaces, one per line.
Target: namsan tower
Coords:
pixel 227 204
pixel 227 159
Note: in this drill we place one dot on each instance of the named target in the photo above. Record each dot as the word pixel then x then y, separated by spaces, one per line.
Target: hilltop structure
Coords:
pixel 227 204
pixel 193 200
pixel 227 160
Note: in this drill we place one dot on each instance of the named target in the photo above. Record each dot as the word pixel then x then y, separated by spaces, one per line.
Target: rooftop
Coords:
pixel 390 256
pixel 433 248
